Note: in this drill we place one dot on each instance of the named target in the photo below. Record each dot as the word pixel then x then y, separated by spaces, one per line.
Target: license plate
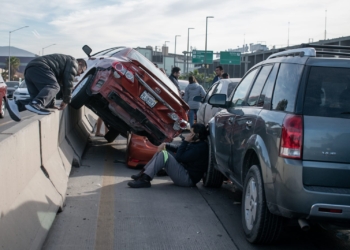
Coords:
pixel 148 99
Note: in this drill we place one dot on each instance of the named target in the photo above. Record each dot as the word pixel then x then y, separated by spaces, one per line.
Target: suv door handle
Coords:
pixel 249 123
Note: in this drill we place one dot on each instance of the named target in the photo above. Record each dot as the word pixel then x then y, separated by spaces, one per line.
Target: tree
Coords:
pixel 15 63
pixel 205 82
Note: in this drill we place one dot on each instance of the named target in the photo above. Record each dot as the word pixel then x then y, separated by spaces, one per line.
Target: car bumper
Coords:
pixel 21 97
pixel 293 199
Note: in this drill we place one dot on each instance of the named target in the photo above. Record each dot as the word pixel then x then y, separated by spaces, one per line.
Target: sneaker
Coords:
pixel 37 108
pixel 143 182
pixel 12 108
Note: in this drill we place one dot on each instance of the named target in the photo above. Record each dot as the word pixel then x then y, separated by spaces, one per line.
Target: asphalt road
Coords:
pixel 102 212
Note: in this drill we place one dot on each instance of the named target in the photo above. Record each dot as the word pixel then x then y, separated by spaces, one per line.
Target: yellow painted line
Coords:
pixel 105 220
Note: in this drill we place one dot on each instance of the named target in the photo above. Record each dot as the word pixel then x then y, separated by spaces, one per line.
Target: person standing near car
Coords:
pixel 174 77
pixel 45 76
pixel 193 89
pixel 218 71
pixel 185 168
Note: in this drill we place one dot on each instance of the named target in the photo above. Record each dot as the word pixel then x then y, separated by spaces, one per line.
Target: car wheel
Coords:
pixel 79 94
pixel 212 177
pixel 111 134
pixel 260 226
pixel 2 109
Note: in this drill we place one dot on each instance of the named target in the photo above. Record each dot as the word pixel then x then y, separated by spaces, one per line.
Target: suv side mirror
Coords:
pixel 218 100
pixel 87 50
pixel 197 98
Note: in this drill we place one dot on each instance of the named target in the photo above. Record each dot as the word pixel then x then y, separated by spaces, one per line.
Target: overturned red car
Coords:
pixel 130 94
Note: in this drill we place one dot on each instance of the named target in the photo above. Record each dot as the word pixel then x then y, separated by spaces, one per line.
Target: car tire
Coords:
pixel 260 226
pixel 2 108
pixel 80 95
pixel 111 135
pixel 212 177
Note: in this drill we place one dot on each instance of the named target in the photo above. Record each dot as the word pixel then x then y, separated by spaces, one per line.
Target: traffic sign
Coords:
pixel 227 57
pixel 198 56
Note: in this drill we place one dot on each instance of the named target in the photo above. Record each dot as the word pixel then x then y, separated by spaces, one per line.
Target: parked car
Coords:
pixel 282 139
pixel 223 86
pixel 183 84
pixel 11 87
pixel 130 94
pixel 21 93
pixel 3 96
pixel 139 150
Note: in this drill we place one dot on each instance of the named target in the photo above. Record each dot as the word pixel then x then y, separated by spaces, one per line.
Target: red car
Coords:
pixel 3 94
pixel 139 150
pixel 130 94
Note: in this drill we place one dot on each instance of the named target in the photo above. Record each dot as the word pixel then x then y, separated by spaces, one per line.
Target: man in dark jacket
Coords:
pixel 218 71
pixel 186 167
pixel 45 76
pixel 175 73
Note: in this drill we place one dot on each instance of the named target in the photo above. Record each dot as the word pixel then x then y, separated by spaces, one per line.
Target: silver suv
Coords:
pixel 283 140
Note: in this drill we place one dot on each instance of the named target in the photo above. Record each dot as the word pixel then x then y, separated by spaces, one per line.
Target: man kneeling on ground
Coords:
pixel 185 168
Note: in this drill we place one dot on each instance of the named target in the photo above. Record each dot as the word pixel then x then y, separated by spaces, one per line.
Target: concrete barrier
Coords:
pixel 36 156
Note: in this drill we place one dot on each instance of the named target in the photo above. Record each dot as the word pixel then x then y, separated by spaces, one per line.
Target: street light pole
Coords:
pixel 188 42
pixel 206 36
pixel 175 49
pixel 9 75
pixel 42 51
pixel 164 55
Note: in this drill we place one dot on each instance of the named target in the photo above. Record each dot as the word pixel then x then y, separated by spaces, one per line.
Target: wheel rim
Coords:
pixel 79 87
pixel 3 107
pixel 250 203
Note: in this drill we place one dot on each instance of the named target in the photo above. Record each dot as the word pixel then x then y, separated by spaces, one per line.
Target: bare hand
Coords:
pixel 161 147
pixel 62 106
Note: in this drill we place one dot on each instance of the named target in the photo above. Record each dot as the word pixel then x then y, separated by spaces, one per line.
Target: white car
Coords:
pixel 21 92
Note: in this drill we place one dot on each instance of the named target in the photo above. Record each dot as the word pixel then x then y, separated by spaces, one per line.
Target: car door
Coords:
pixel 227 121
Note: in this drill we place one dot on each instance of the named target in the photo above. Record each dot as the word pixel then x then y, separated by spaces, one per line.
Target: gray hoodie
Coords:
pixel 192 90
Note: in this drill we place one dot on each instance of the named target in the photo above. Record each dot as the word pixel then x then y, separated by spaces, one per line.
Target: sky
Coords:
pixel 102 24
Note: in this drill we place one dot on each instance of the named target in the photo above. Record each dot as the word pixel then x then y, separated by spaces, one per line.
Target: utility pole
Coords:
pixel 205 55
pixel 325 26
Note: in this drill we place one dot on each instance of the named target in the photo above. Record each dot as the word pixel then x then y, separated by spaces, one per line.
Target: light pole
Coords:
pixel 188 43
pixel 9 76
pixel 42 51
pixel 164 54
pixel 175 49
pixel 206 36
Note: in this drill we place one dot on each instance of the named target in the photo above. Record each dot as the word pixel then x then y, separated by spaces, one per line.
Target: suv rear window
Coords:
pixel 328 92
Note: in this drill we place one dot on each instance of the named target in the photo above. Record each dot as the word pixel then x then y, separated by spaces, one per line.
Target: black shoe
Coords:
pixel 137 176
pixel 12 108
pixel 143 182
pixel 37 108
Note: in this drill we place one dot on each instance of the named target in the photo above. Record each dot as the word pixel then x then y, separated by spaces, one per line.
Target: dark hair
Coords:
pixel 201 130
pixel 220 67
pixel 225 75
pixel 175 70
pixel 82 62
pixel 155 65
pixel 192 79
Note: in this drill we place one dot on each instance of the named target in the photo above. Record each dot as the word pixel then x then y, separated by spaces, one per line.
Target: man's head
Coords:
pixel 219 70
pixel 82 66
pixel 225 76
pixel 201 130
pixel 176 72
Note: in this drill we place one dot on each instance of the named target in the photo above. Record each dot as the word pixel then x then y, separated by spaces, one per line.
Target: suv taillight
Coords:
pixel 292 137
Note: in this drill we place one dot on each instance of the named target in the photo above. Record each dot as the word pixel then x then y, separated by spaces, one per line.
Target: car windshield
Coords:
pixel 108 52
pixel 12 84
pixel 135 55
pixel 23 84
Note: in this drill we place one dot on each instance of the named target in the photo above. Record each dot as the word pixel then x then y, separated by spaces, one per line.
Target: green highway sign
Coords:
pixel 227 57
pixel 198 56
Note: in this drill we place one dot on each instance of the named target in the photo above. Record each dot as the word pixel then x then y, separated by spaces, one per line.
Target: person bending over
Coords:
pixel 185 163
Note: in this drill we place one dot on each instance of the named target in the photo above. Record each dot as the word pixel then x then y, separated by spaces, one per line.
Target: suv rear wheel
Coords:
pixel 260 226
pixel 2 109
pixel 79 94
pixel 212 178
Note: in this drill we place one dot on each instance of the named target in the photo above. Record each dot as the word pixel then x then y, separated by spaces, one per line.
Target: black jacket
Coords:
pixel 193 156
pixel 64 67
pixel 175 81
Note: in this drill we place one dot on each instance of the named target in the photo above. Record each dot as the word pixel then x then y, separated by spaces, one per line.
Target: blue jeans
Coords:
pixel 192 113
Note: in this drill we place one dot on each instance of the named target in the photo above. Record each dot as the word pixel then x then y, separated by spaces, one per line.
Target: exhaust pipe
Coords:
pixel 304 225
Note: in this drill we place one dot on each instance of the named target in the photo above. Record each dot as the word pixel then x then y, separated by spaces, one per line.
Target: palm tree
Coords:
pixel 15 63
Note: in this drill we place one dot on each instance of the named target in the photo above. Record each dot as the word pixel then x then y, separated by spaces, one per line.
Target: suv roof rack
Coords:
pixel 311 52
pixel 335 47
